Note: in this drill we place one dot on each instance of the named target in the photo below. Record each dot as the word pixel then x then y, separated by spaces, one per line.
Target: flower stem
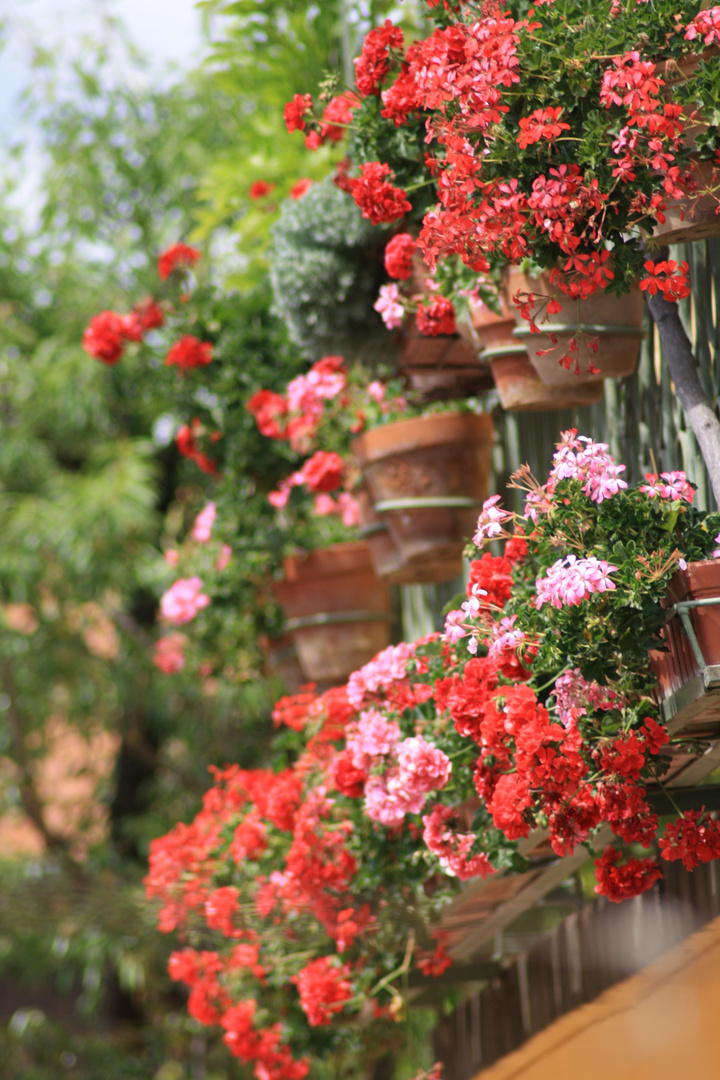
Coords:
pixel 668 795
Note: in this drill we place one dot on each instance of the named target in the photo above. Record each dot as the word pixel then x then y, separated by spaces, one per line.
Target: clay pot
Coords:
pixel 522 390
pixel 441 368
pixel 428 477
pixel 336 610
pixel 693 217
pixel 485 329
pixel 617 322
pixel 385 556
pixel 282 661
pixel 700 581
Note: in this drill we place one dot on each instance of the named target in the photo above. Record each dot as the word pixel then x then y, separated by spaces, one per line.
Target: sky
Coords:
pixel 166 31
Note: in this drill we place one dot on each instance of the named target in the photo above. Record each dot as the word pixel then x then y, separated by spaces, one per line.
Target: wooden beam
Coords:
pixel 540 886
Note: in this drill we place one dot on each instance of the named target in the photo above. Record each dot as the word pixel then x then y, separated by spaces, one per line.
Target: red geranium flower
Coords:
pixel 322 472
pixel 398 256
pixel 437 317
pixel 260 188
pixel 176 256
pixel 268 407
pixel 378 199
pixel 371 67
pixel 295 110
pixel 189 352
pixel 185 440
pixel 105 337
pixel 298 190
pixel 623 882
pixel 323 989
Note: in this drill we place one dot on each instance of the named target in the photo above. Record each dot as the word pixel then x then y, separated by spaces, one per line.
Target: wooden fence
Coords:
pixel 589 951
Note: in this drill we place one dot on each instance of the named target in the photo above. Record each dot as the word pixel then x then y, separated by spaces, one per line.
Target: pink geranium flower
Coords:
pixel 182 601
pixel 202 529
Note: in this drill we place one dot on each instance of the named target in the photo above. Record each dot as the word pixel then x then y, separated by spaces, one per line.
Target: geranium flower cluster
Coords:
pixel 108 333
pixel 321 405
pixel 565 179
pixel 434 313
pixel 181 603
pixel 592 765
pixel 434 761
pixel 294 848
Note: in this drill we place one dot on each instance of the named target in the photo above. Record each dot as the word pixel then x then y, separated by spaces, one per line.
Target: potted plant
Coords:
pixel 425 474
pixel 609 327
pixel 521 389
pixel 324 270
pixel 535 708
pixel 439 353
pixel 545 132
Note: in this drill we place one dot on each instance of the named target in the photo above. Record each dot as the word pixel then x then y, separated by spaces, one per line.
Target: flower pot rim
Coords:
pixel 606 330
pixel 400 436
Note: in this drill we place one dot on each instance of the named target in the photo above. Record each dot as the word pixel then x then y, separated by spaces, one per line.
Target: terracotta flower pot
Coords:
pixel 617 322
pixel 691 666
pixel 522 390
pixel 385 556
pixel 282 661
pixel 441 368
pixel 428 477
pixel 336 610
pixel 485 329
pixel 693 217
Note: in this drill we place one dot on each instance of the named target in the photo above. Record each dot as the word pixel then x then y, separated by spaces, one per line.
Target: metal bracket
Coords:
pixel 683 609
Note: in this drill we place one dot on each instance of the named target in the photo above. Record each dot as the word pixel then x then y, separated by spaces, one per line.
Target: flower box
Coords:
pixel 336 609
pixel 688 673
pixel 427 477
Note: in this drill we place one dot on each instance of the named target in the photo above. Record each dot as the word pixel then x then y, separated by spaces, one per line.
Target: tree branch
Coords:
pixel 682 365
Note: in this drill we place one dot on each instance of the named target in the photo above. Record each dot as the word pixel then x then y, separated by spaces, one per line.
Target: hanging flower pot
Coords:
pixel 693 217
pixel 443 367
pixel 282 661
pixel 384 553
pixel 336 610
pixel 522 390
pixel 617 323
pixel 688 673
pixel 484 329
pixel 428 476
